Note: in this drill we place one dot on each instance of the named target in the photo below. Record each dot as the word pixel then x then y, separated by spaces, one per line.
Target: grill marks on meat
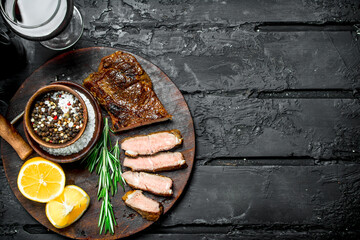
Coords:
pixel 152 143
pixel 153 183
pixel 160 162
pixel 146 207
pixel 123 62
pixel 125 90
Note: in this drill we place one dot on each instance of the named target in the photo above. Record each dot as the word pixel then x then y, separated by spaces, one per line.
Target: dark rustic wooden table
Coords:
pixel 273 90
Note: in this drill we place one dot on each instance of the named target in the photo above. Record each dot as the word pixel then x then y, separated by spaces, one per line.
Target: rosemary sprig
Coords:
pixel 117 173
pixel 108 166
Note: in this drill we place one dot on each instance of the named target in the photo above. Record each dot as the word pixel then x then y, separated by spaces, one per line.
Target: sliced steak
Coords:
pixel 153 183
pixel 146 207
pixel 152 143
pixel 156 163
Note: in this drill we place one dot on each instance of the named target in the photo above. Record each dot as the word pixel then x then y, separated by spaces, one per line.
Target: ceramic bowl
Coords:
pixel 31 104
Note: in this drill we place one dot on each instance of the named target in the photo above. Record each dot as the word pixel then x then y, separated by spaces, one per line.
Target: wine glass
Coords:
pixel 14 51
pixel 57 24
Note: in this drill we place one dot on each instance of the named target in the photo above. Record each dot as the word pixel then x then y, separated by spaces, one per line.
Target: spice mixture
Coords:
pixel 85 138
pixel 57 117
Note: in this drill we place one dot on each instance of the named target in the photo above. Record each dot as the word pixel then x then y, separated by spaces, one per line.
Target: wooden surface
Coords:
pixel 83 62
pixel 272 87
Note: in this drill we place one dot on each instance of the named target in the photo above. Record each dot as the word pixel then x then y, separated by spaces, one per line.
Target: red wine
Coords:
pixel 37 19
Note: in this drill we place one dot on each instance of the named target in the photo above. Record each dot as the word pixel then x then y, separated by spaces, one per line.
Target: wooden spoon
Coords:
pixel 10 135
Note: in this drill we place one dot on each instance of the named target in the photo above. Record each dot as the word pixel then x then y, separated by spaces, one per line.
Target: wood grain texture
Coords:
pixel 227 59
pixel 271 199
pixel 167 32
pixel 291 89
pixel 236 58
pixel 273 194
pixel 228 13
pixel 75 65
pixel 203 48
pixel 316 128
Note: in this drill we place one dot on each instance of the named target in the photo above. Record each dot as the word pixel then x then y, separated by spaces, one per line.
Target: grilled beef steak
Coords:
pixel 123 62
pixel 146 207
pixel 152 143
pixel 125 90
pixel 153 183
pixel 156 163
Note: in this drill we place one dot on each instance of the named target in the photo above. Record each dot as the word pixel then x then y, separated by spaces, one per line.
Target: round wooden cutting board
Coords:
pixel 75 66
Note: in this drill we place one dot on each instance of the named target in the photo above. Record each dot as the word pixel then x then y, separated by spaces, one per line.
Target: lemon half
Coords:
pixel 41 180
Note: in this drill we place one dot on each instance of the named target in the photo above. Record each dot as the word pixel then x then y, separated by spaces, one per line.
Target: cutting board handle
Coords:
pixel 9 133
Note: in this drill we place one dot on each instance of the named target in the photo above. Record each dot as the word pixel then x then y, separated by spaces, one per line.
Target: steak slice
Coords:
pixel 153 183
pixel 152 143
pixel 146 207
pixel 156 163
pixel 125 90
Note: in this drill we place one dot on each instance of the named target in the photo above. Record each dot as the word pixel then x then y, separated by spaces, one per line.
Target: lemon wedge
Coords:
pixel 68 207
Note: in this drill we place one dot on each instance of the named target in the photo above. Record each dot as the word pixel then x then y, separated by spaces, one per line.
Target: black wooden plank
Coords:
pixel 20 233
pixel 251 235
pixel 300 27
pixel 223 54
pixel 228 59
pixel 266 161
pixel 230 126
pixel 311 94
pixel 222 12
pixel 322 196
pixel 261 200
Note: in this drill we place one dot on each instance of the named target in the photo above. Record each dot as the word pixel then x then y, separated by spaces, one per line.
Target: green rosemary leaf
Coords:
pixel 101 214
pixel 109 155
pixel 102 222
pixel 107 165
pixel 112 214
pixel 111 226
pixel 106 199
